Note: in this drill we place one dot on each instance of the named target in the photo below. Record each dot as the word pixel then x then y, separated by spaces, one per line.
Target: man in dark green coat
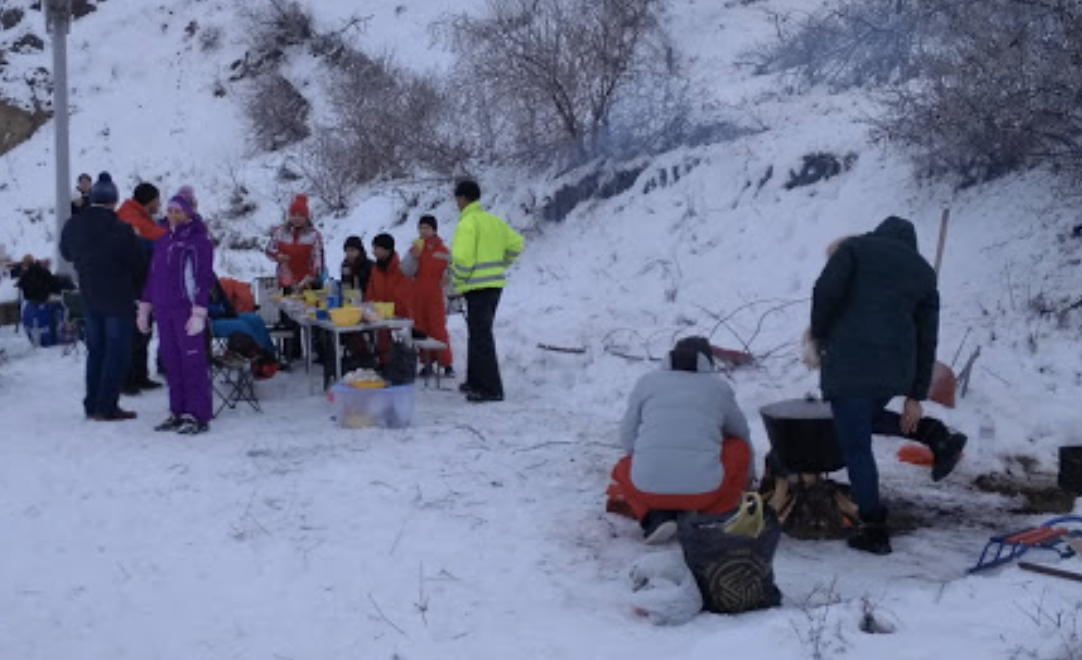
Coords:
pixel 875 318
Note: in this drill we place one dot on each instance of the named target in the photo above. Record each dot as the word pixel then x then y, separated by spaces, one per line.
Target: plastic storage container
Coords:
pixel 389 407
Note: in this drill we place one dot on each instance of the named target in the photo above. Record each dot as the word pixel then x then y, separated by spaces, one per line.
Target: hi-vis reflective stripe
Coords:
pixel 442 255
pixel 483 280
pixel 488 264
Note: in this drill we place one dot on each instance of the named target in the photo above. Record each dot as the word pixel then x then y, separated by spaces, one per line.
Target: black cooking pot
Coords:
pixel 802 436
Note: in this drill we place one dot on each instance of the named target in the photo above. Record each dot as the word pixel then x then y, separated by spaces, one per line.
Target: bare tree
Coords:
pixel 557 68
pixel 849 43
pixel 999 94
pixel 394 120
pixel 977 88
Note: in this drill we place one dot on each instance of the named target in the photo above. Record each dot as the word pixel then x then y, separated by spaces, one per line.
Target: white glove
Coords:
pixel 809 350
pixel 142 319
pixel 197 323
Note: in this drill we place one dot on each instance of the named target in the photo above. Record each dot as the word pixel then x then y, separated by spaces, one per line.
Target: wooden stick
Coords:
pixel 562 349
pixel 1049 570
pixel 942 238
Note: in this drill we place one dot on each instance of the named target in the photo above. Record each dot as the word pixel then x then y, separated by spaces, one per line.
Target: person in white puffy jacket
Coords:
pixel 687 443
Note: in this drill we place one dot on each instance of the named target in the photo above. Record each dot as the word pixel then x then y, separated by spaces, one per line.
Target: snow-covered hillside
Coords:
pixel 479 532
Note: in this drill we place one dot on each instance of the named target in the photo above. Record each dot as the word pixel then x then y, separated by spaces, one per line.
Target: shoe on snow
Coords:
pixel 171 424
pixel 191 426
pixel 873 539
pixel 659 527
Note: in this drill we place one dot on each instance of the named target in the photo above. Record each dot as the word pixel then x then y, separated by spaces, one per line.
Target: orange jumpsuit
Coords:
pixel 393 286
pixel 429 312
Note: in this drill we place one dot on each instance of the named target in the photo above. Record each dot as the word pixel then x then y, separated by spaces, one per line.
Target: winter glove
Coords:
pixel 197 323
pixel 809 350
pixel 142 319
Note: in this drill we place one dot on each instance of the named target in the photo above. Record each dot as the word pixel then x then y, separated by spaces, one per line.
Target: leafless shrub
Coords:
pixel 1000 95
pixel 821 636
pixel 389 123
pixel 546 76
pixel 849 43
pixel 976 88
pixel 273 25
pixel 325 162
pixel 277 112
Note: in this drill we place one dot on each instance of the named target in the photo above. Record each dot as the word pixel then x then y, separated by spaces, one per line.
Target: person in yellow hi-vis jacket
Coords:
pixel 482 249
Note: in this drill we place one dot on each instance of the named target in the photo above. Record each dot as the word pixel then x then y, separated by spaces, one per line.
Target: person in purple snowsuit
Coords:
pixel 177 291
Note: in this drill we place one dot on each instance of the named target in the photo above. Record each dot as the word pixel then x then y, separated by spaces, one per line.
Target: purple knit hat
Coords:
pixel 182 203
pixel 188 193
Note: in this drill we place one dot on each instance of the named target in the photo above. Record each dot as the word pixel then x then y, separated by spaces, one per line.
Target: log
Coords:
pixel 1050 570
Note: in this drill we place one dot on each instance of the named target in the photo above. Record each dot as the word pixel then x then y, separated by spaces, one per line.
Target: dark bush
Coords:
pixel 277 112
pixel 10 17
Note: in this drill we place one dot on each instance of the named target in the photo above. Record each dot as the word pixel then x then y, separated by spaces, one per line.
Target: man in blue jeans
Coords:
pixel 107 257
pixel 875 320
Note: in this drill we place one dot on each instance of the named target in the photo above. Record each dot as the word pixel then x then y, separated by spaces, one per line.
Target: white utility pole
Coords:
pixel 58 24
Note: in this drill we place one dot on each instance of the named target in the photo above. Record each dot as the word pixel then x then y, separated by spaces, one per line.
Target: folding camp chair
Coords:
pixel 231 377
pixel 72 331
pixel 429 350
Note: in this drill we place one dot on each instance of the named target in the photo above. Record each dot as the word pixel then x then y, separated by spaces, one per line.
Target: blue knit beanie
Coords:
pixel 104 190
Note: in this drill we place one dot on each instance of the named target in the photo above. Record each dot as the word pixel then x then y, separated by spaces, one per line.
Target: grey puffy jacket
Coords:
pixel 673 428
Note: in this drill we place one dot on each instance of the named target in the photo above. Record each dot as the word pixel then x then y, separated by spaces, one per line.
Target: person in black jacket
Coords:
pixel 40 316
pixel 875 320
pixel 107 255
pixel 356 267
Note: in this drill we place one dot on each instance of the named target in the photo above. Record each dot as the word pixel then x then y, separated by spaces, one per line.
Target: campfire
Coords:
pixel 804 449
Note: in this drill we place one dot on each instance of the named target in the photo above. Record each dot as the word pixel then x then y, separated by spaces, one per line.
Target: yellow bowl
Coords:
pixel 384 309
pixel 345 316
pixel 368 384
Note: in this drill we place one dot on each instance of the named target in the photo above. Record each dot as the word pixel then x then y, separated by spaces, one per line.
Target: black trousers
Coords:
pixel 138 371
pixel 482 366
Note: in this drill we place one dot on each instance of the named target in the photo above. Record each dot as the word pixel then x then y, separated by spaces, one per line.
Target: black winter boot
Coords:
pixel 947 454
pixel 872 536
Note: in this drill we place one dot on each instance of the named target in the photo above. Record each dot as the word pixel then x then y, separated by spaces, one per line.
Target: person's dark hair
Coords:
pixel 354 242
pixel 468 190
pixel 146 193
pixel 85 177
pixel 385 241
pixel 685 354
pixel 429 220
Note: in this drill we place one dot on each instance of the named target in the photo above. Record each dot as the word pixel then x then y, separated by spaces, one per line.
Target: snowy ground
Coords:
pixel 477 532
pixel 480 532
